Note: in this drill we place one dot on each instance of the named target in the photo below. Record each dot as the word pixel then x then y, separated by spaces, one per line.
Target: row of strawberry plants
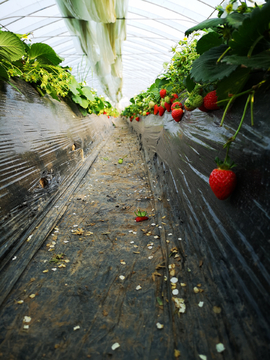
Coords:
pixel 39 65
pixel 210 71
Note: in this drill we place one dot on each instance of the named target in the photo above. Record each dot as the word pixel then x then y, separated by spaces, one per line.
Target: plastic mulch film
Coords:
pixel 101 29
pixel 44 144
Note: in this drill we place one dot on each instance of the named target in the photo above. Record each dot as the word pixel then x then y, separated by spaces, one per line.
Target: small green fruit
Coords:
pixel 120 161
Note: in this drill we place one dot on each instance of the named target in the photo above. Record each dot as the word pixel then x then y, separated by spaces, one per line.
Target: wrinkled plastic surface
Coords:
pixel 42 143
pixel 231 237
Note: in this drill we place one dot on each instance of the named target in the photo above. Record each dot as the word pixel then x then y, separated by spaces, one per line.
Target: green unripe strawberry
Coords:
pixel 120 161
pixel 144 113
pixel 167 99
pixel 162 103
pixel 151 104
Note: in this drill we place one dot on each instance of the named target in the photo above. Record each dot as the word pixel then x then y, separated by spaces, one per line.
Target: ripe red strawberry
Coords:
pixel 210 101
pixel 167 106
pixel 104 112
pixel 137 118
pixel 223 180
pixel 147 113
pixel 130 119
pixel 203 108
pixel 174 96
pixel 156 109
pixel 177 114
pixel 162 93
pixel 141 216
pixel 161 110
pixel 176 105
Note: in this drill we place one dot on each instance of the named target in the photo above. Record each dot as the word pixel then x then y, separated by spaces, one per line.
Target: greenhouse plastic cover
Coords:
pixel 117 46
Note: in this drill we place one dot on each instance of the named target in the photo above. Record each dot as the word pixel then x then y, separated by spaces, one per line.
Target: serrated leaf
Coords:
pixel 208 41
pixel 235 19
pixel 233 84
pixel 189 83
pixel 3 74
pixel 206 24
pixel 253 27
pixel 87 92
pixel 44 51
pixel 206 68
pixel 73 86
pixel 132 100
pixel 79 100
pixel 11 47
pixel 258 61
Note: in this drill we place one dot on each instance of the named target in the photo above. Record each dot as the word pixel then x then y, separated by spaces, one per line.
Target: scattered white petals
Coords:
pixel 115 346
pixel 65 241
pixel 27 319
pixel 188 270
pixel 150 257
pixel 122 277
pixel 203 357
pixel 32 296
pixel 175 292
pixel 165 278
pixel 150 247
pixel 76 327
pixel 26 327
pixel 122 262
pixel 174 280
pixel 179 238
pixel 134 232
pixel 156 237
pixel 220 347
pixel 54 269
pixel 168 199
pixel 132 242
pixel 74 213
pixel 196 290
pixel 159 326
pixel 170 234
pixel 14 258
pixel 20 302
pixel 75 225
pixel 29 237
pixel 138 287
pixel 153 224
pixel 180 304
pixel 130 231
pixel 201 304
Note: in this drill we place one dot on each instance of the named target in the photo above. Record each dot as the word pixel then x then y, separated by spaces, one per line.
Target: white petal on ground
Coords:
pixel 27 319
pixel 122 277
pixel 174 280
pixel 175 292
pixel 159 326
pixel 201 304
pixel 203 357
pixel 115 346
pixel 76 327
pixel 138 287
pixel 220 347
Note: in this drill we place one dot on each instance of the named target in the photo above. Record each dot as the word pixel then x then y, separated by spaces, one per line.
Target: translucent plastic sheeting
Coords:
pixel 101 29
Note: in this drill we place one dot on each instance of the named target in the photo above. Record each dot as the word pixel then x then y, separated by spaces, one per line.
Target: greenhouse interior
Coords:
pixel 135 179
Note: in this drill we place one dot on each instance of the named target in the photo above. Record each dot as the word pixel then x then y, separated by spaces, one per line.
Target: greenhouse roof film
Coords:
pixel 117 47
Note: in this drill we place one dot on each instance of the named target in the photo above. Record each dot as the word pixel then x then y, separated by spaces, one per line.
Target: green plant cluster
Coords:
pixel 173 79
pixel 233 47
pixel 39 65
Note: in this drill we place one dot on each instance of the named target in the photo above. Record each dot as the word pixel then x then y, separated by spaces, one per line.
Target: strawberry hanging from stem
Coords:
pixel 223 180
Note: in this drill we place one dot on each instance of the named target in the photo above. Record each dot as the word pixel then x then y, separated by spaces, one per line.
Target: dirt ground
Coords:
pixel 97 280
pixel 102 286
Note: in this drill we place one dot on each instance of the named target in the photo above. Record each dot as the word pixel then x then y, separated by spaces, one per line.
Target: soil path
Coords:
pixel 97 280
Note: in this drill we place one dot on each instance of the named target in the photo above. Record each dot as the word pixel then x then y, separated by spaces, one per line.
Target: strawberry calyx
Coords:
pixel 227 164
pixel 140 213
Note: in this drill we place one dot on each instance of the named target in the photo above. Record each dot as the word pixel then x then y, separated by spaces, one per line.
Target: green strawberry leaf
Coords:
pixel 208 41
pixel 74 86
pixel 189 83
pixel 206 68
pixel 233 84
pixel 235 19
pixel 258 61
pixel 87 92
pixel 250 37
pixel 3 74
pixel 11 47
pixel 206 24
pixel 81 101
pixel 44 52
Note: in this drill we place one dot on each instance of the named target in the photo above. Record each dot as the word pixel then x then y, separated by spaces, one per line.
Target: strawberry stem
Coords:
pixel 226 109
pixel 222 55
pixel 251 108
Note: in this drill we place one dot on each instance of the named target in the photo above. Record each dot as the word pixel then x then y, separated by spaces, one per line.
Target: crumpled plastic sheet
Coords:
pixel 232 236
pixel 37 139
pixel 100 31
